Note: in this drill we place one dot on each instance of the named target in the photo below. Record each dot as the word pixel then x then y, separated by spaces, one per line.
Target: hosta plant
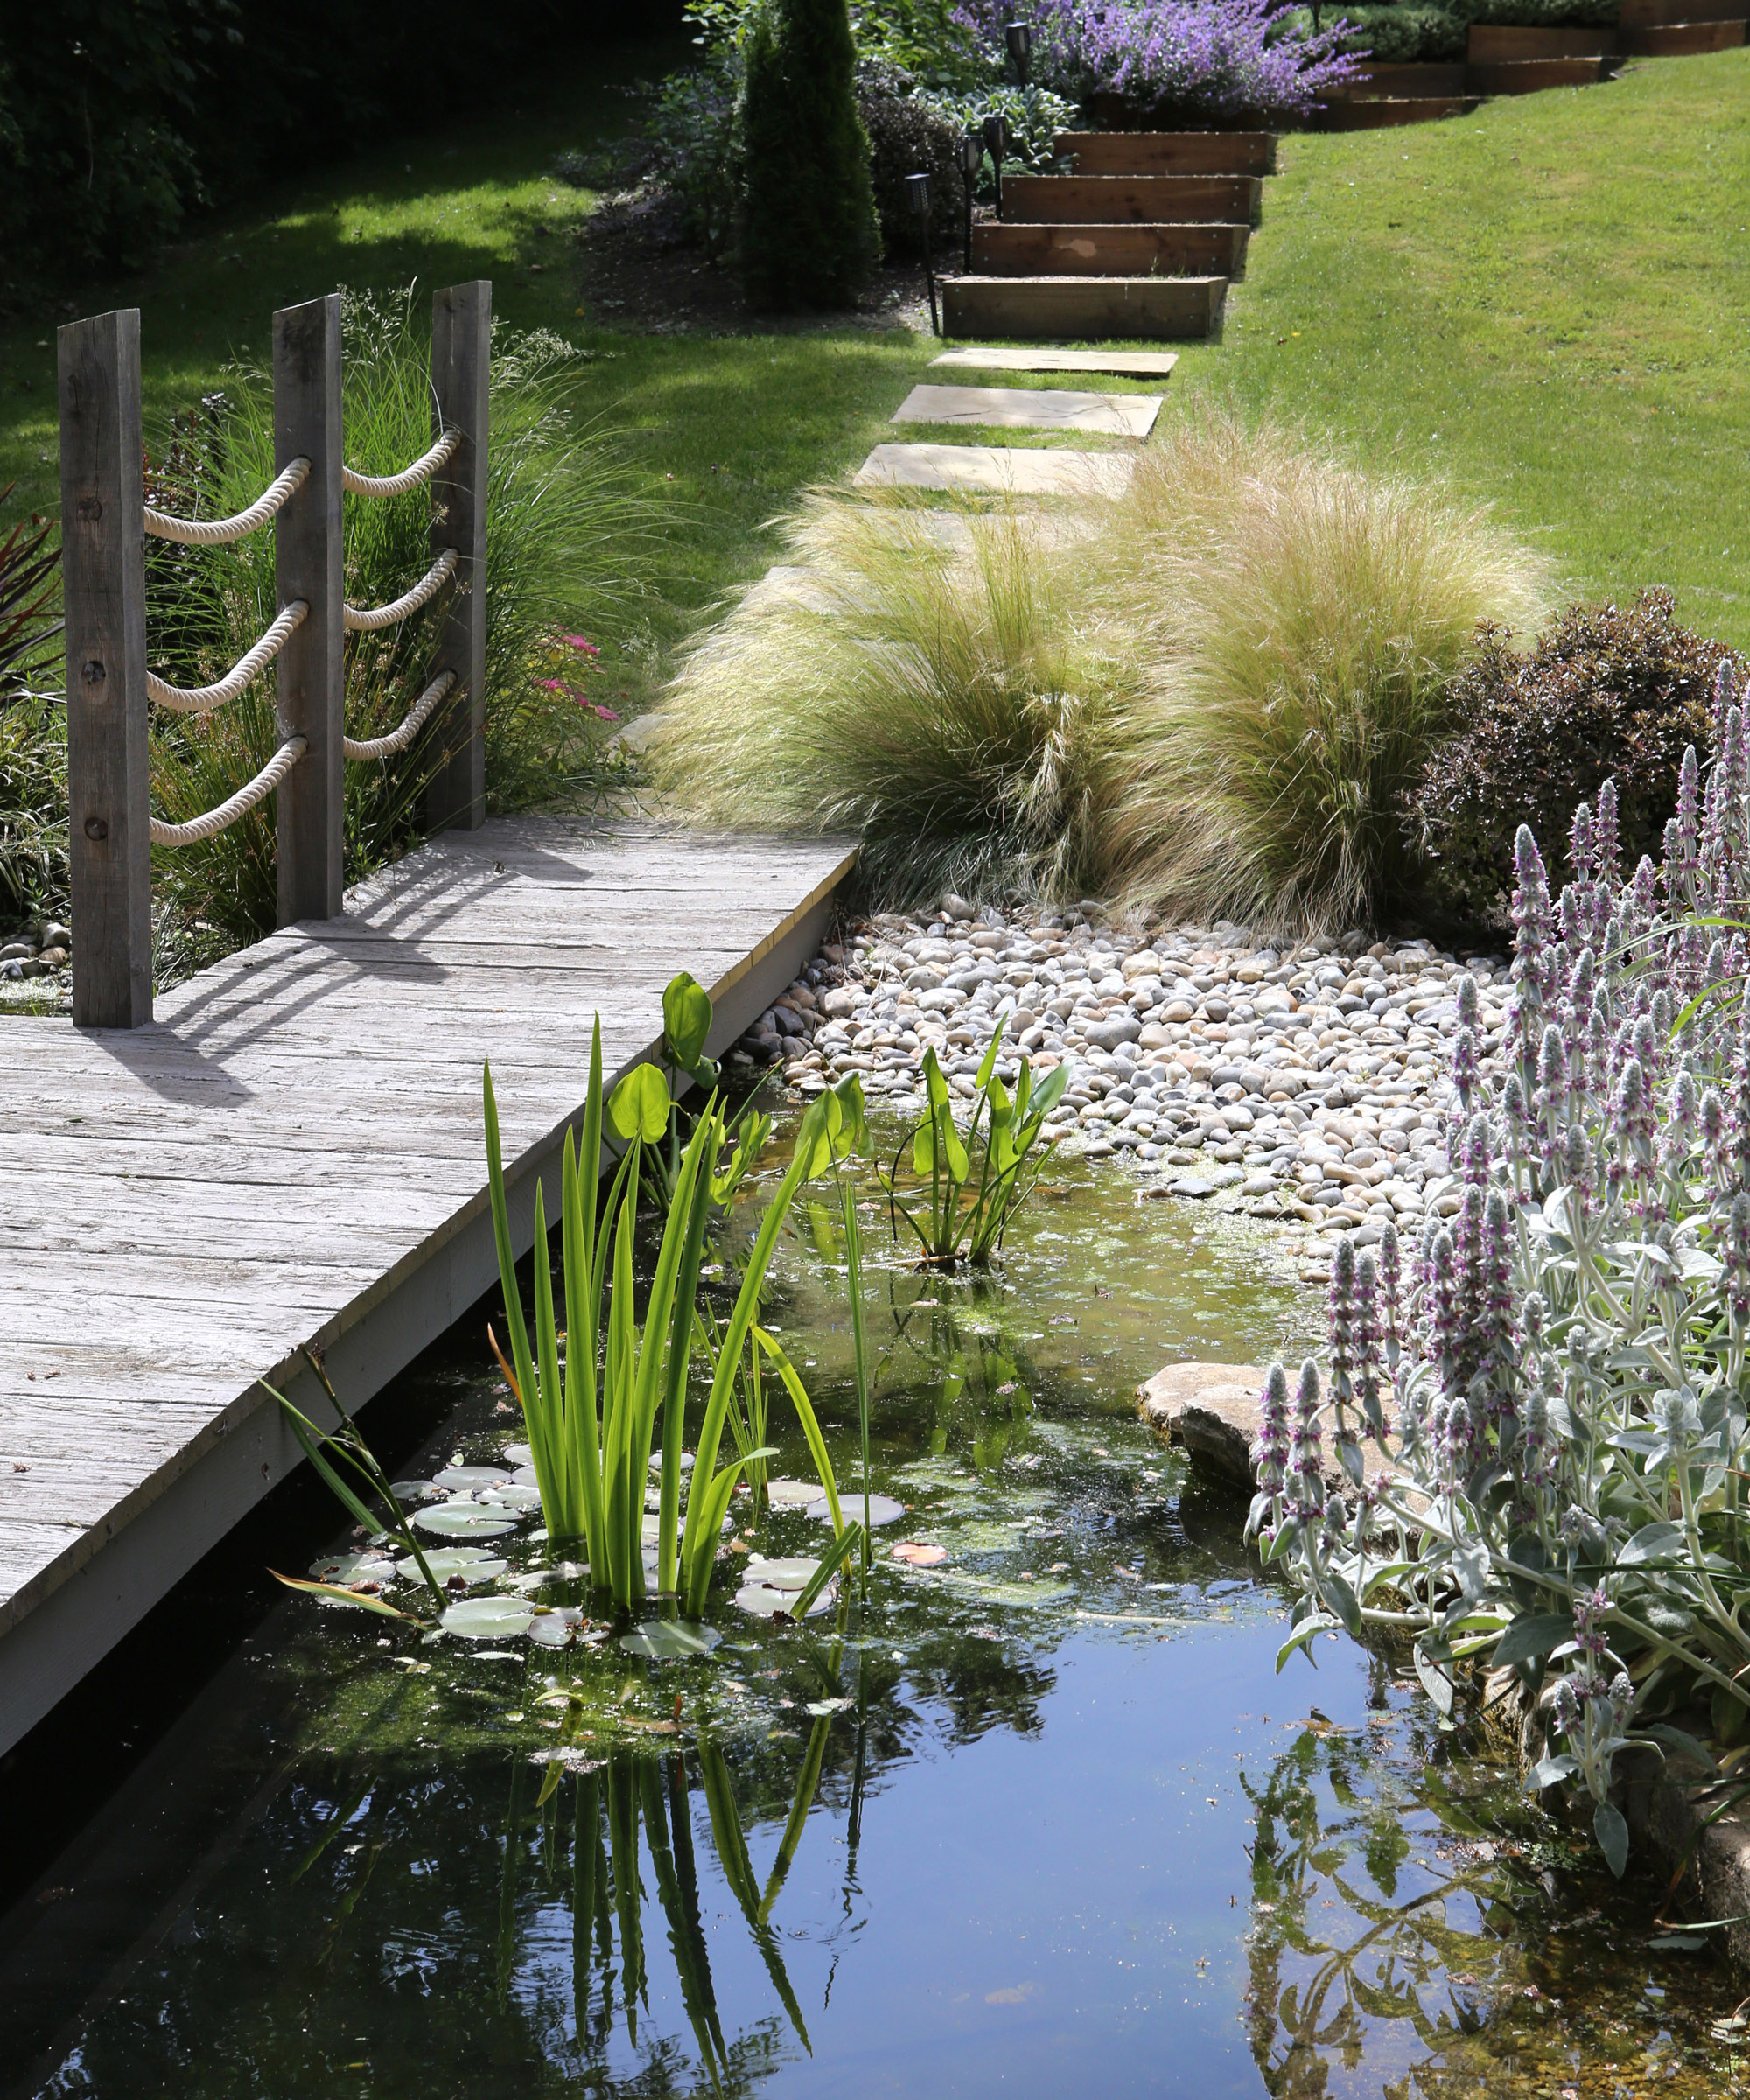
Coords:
pixel 1553 1377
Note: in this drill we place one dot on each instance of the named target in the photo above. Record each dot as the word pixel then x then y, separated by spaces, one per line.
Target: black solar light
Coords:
pixel 996 132
pixel 971 165
pixel 918 189
pixel 1019 36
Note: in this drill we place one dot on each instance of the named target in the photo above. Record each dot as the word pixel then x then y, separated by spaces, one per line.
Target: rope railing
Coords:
pixel 219 532
pixel 409 478
pixel 411 724
pixel 371 620
pixel 202 699
pixel 215 821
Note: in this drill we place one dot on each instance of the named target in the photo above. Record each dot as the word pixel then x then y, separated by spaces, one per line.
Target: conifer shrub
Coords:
pixel 808 229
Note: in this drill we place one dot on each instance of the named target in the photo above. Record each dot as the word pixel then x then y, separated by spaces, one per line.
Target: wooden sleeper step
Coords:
pixel 1675 40
pixel 1119 199
pixel 1027 250
pixel 1370 81
pixel 1533 76
pixel 1370 116
pixel 1491 44
pixel 1085 309
pixel 1169 152
pixel 1656 14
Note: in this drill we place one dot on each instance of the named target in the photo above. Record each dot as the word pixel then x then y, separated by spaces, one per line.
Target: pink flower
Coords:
pixel 552 685
pixel 607 714
pixel 578 641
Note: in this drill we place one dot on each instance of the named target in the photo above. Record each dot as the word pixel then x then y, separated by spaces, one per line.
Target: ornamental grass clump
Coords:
pixel 1554 1377
pixel 1302 622
pixel 937 688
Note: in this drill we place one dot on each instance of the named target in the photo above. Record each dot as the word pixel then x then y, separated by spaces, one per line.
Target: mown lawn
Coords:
pixel 1544 301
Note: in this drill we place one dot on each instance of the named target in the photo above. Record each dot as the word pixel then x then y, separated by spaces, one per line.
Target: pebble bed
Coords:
pixel 1306 1084
pixel 35 964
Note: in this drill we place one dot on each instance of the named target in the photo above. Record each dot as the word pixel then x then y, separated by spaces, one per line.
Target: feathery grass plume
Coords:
pixel 1302 619
pixel 934 684
pixel 563 532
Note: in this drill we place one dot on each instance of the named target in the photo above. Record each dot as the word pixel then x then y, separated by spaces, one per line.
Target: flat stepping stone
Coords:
pixel 1139 364
pixel 996 470
pixel 1033 409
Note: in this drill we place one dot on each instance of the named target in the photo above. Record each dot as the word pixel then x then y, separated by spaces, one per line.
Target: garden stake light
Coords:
pixel 971 165
pixel 1019 36
pixel 996 144
pixel 918 189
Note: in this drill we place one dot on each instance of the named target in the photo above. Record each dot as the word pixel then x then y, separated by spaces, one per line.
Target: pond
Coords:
pixel 1038 1816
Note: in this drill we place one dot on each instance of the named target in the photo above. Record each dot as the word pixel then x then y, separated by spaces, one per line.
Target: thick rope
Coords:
pixel 398 739
pixel 218 532
pixel 201 699
pixel 409 478
pixel 363 620
pixel 240 804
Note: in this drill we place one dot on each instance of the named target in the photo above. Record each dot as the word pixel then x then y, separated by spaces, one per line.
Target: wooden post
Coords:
pixel 104 583
pixel 461 351
pixel 311 668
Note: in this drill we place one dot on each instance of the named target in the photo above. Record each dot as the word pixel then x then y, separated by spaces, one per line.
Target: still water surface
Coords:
pixel 1042 1821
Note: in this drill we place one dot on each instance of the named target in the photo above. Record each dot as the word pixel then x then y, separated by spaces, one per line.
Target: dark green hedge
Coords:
pixel 120 117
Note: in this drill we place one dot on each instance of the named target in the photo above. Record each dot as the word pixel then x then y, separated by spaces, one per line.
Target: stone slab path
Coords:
pixel 995 470
pixel 1136 364
pixel 1033 409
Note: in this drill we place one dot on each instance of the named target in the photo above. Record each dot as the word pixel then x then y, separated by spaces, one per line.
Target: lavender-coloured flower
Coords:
pixel 1307 1453
pixel 1607 865
pixel 1271 1446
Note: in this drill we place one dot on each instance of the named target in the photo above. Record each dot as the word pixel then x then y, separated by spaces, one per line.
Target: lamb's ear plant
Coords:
pixel 1555 1379
pixel 1003 1135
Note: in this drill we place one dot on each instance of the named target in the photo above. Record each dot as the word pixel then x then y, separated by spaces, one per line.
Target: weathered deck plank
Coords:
pixel 293 1154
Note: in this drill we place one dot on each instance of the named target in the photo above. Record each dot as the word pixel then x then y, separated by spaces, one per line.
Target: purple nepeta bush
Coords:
pixel 1557 1378
pixel 1224 60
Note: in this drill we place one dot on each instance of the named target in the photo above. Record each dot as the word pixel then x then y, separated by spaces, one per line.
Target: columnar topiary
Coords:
pixel 808 235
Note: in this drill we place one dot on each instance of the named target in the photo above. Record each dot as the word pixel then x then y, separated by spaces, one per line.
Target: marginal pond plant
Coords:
pixel 1005 1134
pixel 1554 1377
pixel 592 1407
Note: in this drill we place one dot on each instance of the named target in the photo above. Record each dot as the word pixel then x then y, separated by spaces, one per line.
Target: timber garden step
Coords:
pixel 1677 39
pixel 1491 44
pixel 1363 114
pixel 1114 200
pixel 1169 152
pixel 1371 82
pixel 1096 309
pixel 1022 251
pixel 1532 76
pixel 1656 14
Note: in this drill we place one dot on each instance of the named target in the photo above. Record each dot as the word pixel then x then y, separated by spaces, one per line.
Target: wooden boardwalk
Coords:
pixel 293 1153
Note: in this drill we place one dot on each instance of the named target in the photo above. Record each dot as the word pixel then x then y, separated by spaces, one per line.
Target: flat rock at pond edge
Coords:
pixel 1211 1409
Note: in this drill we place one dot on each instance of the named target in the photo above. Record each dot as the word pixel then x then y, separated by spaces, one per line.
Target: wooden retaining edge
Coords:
pixel 1169 152
pixel 1124 199
pixel 1533 76
pixel 1493 46
pixel 1365 116
pixel 1654 14
pixel 1017 249
pixel 1412 78
pixel 1211 1409
pixel 1087 309
pixel 1681 40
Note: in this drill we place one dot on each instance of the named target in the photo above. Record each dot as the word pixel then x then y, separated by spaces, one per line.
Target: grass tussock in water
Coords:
pixel 938 685
pixel 1206 695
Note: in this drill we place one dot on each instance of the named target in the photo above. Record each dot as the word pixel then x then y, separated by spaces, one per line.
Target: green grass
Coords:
pixel 1543 300
pixel 1547 297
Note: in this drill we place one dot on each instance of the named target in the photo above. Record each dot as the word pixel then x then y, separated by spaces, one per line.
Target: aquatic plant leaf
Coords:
pixel 792 1494
pixel 465 1479
pixel 639 1105
pixel 686 1019
pixel 556 1626
pixel 333 1594
pixel 794 1573
pixel 349 1568
pixel 1027 1596
pixel 464 1520
pixel 671 1639
pixel 488 1618
pixel 513 1495
pixel 408 1492
pixel 473 1563
pixel 917 1554
pixel 761 1600
pixel 519 1454
pixel 883 1510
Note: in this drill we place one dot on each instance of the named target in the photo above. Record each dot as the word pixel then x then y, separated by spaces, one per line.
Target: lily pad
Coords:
pixel 795 1574
pixel 763 1601
pixel 519 1454
pixel 883 1510
pixel 462 1480
pixel 348 1568
pixel 408 1494
pixel 918 1553
pixel 670 1640
pixel 488 1618
pixel 473 1563
pixel 656 1461
pixel 820 1707
pixel 792 1494
pixel 511 1495
pixel 464 1520
pixel 525 1476
pixel 555 1627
